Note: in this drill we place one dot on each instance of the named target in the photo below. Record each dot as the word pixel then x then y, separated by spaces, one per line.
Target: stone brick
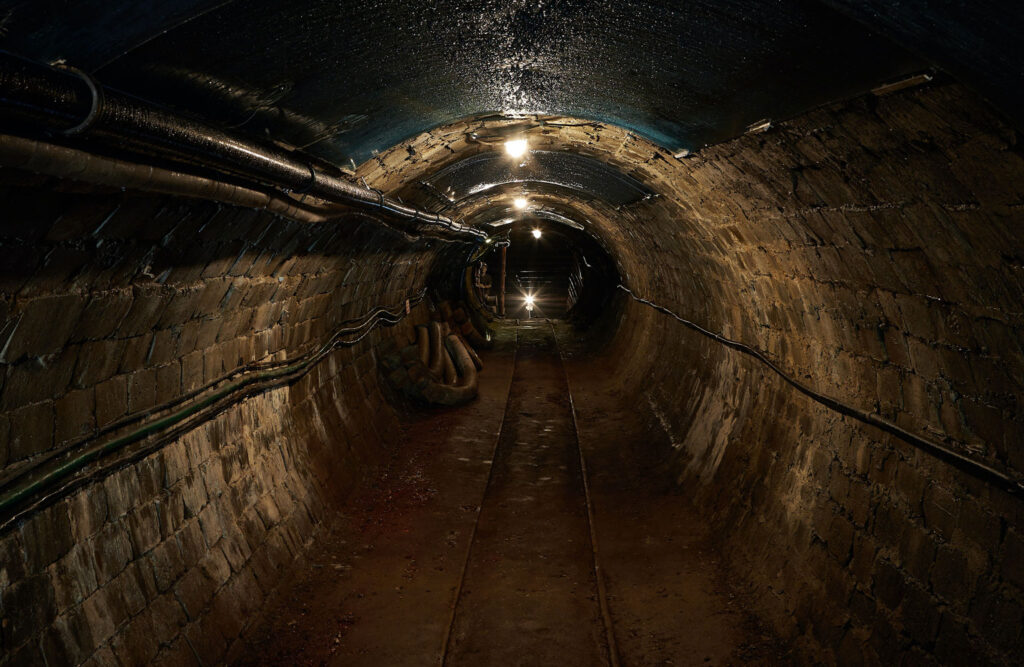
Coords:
pixel 998 618
pixel 190 539
pixel 88 511
pixel 193 494
pixel 141 390
pixel 122 491
pixel 168 383
pixel 98 361
pixel 73 577
pixel 75 415
pixel 147 304
pixel 111 400
pixel 168 618
pixel 136 644
pixel 920 615
pixel 135 352
pixel 144 528
pixel 178 654
pixel 950 575
pixel 112 551
pixel 33 597
pixel 1012 558
pixel 167 564
pixel 840 538
pixel 941 511
pixel 100 617
pixel 102 315
pixel 889 584
pixel 211 524
pixel 47 536
pixel 68 641
pixel 31 430
pixel 44 327
pixel 125 593
pixel 194 590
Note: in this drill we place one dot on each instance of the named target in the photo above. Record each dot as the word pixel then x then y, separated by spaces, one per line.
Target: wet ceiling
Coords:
pixel 346 79
pixel 586 176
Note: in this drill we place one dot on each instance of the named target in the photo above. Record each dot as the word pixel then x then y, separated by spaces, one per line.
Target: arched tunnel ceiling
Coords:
pixel 585 175
pixel 347 79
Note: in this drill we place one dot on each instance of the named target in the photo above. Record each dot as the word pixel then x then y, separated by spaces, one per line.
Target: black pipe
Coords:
pixel 39 99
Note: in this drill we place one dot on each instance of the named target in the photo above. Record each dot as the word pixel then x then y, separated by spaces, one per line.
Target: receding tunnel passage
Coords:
pixel 490 333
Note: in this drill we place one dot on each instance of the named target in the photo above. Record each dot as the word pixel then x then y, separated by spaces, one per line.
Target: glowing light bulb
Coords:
pixel 520 203
pixel 515 147
pixel 536 233
pixel 529 301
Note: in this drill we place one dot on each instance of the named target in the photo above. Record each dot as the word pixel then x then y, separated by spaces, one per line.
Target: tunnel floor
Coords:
pixel 475 546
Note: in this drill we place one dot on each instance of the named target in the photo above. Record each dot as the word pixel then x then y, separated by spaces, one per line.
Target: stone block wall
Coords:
pixel 871 249
pixel 112 303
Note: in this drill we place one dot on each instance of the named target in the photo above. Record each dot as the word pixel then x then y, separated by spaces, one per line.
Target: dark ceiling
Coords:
pixel 345 79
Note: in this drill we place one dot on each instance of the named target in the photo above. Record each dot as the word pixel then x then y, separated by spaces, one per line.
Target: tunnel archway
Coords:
pixel 790 278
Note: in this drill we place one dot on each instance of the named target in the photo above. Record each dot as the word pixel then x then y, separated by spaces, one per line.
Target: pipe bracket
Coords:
pixel 95 106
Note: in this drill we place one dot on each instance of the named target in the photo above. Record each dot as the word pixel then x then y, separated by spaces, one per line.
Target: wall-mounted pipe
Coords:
pixel 36 99
pixel 64 162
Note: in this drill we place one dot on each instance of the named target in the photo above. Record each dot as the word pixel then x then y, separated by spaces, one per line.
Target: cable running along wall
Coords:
pixel 969 465
pixel 126 440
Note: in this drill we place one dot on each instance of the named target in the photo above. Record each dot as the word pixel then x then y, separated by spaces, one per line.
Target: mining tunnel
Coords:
pixel 511 333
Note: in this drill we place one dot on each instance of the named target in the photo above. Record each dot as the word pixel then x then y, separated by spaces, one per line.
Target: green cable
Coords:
pixel 78 462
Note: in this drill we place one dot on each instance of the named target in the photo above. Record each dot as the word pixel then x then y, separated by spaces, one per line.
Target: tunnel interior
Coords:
pixel 511 333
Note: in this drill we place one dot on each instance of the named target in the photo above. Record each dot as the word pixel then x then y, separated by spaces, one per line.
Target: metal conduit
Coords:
pixel 37 99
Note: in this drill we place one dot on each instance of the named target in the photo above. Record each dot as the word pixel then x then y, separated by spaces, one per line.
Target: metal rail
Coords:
pixel 602 591
pixel 446 641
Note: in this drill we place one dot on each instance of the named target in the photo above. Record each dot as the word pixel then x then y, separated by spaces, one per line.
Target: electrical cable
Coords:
pixel 17 493
pixel 961 462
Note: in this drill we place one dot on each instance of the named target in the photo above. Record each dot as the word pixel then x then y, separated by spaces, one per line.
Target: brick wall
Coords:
pixel 111 303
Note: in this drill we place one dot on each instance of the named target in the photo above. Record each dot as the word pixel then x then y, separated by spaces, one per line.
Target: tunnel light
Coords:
pixel 520 203
pixel 536 233
pixel 516 147
pixel 529 301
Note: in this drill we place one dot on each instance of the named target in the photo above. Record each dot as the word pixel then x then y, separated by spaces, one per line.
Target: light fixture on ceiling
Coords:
pixel 516 147
pixel 536 233
pixel 520 203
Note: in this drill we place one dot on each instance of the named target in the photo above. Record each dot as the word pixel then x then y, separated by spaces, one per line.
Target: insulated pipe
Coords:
pixel 450 375
pixel 437 351
pixel 423 344
pixel 463 362
pixel 64 162
pixel 472 353
pixel 37 98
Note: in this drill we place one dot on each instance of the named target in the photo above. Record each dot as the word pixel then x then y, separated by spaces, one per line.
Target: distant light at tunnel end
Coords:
pixel 536 233
pixel 520 203
pixel 515 147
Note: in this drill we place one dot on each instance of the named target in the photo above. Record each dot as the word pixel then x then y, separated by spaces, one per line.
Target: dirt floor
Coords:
pixel 476 545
